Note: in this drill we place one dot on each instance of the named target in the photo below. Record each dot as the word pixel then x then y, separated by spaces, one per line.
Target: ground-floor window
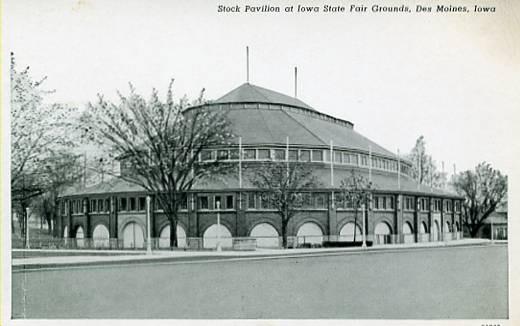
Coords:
pixel 382 233
pixel 133 236
pixel 310 233
pixel 349 232
pixel 101 236
pixel 266 236
pixel 212 234
pixel 164 237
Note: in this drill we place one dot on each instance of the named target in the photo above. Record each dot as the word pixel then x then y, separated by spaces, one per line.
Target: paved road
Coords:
pixel 458 282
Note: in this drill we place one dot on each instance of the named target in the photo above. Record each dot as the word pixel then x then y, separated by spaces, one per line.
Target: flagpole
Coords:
pixel 370 163
pixel 332 171
pixel 287 155
pixel 398 170
pixel 240 171
pixel 148 227
pixel 331 163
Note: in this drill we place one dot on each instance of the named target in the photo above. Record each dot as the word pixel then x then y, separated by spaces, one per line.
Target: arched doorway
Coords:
pixel 266 236
pixel 101 236
pixel 133 236
pixel 66 231
pixel 447 228
pixel 210 237
pixel 424 228
pixel 311 233
pixel 80 235
pixel 407 233
pixel 347 232
pixel 436 231
pixel 164 237
pixel 382 233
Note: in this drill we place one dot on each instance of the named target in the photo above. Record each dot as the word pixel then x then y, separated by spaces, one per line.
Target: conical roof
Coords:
pixel 249 93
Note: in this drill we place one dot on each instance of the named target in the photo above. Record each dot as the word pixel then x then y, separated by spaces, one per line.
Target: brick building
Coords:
pixel 113 213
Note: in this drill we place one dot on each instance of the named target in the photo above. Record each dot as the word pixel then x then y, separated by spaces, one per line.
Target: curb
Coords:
pixel 169 260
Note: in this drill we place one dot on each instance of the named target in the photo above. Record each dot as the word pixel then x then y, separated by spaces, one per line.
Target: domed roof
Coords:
pixel 249 93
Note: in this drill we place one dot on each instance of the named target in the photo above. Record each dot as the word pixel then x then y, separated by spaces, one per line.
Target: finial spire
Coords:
pixel 247 64
pixel 295 82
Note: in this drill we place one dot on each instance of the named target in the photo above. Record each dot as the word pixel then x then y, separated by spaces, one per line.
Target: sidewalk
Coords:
pixel 111 257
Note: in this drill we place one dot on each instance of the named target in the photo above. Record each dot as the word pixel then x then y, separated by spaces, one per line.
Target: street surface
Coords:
pixel 438 283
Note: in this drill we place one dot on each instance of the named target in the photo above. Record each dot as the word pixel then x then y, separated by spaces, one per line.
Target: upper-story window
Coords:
pixel 133 204
pixel 448 206
pixel 384 202
pixel 233 154
pixel 249 154
pixel 217 202
pixel 122 204
pixel 184 202
pixel 93 205
pixel 338 157
pixel 264 154
pixel 320 201
pixel 222 154
pixel 251 200
pixel 230 202
pixel 203 202
pixel 436 205
pixel 364 160
pixel 293 155
pixel 141 204
pixel 317 155
pixel 408 203
pixel 457 206
pixel 265 201
pixel 207 155
pixel 279 154
pixel 423 204
pixel 305 155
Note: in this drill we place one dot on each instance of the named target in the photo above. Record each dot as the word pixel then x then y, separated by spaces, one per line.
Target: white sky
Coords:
pixel 453 78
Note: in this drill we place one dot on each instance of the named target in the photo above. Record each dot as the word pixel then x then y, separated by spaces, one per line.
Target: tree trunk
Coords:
pixel 355 223
pixel 173 233
pixel 284 235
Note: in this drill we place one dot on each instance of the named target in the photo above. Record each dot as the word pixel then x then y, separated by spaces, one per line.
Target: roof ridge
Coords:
pixel 255 89
pixel 304 126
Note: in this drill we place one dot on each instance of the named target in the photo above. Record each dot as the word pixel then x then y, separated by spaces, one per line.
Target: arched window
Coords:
pixel 266 236
pixel 164 240
pixel 210 237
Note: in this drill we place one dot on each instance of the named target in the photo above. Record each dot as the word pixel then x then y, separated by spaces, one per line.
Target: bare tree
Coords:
pixel 283 184
pixel 483 189
pixel 355 190
pixel 424 168
pixel 161 142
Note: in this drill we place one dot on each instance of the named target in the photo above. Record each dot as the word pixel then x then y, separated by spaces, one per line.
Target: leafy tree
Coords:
pixel 483 189
pixel 36 127
pixel 283 184
pixel 424 169
pixel 161 141
pixel 37 132
pixel 60 171
pixel 355 190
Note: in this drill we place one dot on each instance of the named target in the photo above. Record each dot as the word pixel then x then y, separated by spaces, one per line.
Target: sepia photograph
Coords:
pixel 260 162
